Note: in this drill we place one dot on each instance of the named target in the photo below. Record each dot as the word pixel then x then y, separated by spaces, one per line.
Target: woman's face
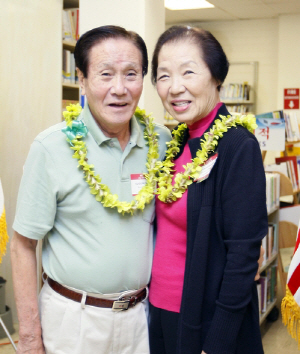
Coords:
pixel 184 82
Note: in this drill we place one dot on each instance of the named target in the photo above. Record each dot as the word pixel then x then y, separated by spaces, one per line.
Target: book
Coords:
pixel 264 244
pixel 288 128
pixel 273 289
pixel 263 283
pixel 66 70
pixel 235 92
pixel 293 166
pixel 258 285
pixel 281 167
pixel 270 242
pixel 66 26
pixel 273 114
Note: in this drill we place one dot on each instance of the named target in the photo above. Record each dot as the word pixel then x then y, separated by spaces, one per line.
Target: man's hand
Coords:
pixel 33 345
pixel 260 261
pixel 24 265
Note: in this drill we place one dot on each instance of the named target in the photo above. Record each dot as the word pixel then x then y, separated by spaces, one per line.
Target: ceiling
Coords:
pixel 228 10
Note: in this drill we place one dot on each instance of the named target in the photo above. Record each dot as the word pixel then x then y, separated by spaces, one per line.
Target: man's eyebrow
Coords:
pixel 111 65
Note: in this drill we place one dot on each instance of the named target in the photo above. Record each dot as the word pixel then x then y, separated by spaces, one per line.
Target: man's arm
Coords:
pixel 24 271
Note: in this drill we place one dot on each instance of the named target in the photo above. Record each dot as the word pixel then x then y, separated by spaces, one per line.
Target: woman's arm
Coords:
pixel 245 224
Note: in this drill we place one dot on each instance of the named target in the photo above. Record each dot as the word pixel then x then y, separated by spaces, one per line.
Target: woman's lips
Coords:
pixel 180 106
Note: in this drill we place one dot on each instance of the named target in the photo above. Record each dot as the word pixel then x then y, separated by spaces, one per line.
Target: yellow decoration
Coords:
pixel 291 315
pixel 3 229
pixel 76 130
pixel 169 193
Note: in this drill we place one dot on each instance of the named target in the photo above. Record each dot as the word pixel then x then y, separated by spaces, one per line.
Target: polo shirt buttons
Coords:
pixel 111 143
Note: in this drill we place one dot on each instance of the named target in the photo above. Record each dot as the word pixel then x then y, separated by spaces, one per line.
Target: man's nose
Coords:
pixel 118 86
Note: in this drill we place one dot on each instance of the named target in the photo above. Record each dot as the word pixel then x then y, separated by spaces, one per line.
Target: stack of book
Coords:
pixel 235 92
pixel 267 288
pixel 272 191
pixel 238 108
pixel 69 74
pixel 273 115
pixel 70 25
pixel 290 167
pixel 292 126
pixel 270 243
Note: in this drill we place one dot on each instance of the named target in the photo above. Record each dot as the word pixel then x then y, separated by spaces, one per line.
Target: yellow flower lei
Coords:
pixel 169 193
pixel 101 191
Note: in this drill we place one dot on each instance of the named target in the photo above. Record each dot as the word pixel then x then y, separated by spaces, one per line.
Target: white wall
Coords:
pixel 288 55
pixel 30 88
pixel 274 43
pixel 288 73
pixel 146 17
pixel 252 40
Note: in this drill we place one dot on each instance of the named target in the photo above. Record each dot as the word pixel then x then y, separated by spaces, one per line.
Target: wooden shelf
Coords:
pixel 69 44
pixel 272 210
pixel 268 263
pixel 237 101
pixel 286 187
pixel 287 143
pixel 170 125
pixel 265 314
pixel 68 4
pixel 70 86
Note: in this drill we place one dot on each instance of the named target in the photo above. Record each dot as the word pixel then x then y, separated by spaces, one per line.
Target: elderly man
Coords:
pixel 97 249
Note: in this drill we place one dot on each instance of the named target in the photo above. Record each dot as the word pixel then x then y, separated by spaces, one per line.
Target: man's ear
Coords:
pixel 81 81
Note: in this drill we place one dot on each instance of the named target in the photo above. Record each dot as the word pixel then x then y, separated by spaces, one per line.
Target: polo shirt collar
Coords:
pixel 136 136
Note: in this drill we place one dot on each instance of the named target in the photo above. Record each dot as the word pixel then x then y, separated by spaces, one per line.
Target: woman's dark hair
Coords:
pixel 97 35
pixel 211 50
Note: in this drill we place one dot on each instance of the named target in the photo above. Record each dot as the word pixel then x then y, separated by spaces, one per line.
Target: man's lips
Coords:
pixel 118 104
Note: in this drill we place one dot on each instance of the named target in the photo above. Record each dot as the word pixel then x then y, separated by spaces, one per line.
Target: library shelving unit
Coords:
pixel 285 238
pixel 288 185
pixel 70 91
pixel 241 72
pixel 273 217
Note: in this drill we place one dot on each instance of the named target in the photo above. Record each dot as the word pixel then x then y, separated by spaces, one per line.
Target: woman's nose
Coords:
pixel 177 86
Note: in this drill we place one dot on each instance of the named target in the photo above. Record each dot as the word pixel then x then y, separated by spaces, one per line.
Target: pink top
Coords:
pixel 170 249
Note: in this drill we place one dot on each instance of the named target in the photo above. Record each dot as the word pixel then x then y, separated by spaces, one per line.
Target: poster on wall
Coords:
pixel 270 133
pixel 291 98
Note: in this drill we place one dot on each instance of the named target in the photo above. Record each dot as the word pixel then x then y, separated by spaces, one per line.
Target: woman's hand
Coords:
pixel 260 261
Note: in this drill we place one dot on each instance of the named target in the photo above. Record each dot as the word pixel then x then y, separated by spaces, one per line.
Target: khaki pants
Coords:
pixel 68 328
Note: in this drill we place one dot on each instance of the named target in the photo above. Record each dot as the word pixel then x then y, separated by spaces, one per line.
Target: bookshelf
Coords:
pixel 70 91
pixel 236 104
pixel 267 284
pixel 239 89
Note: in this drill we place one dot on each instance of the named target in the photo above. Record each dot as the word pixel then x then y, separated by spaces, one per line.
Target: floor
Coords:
pixel 276 340
pixel 275 337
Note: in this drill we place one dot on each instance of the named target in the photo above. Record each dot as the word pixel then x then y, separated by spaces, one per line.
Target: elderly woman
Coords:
pixel 203 297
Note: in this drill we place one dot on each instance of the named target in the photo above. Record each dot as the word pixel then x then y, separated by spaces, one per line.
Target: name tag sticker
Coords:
pixel 207 167
pixel 138 181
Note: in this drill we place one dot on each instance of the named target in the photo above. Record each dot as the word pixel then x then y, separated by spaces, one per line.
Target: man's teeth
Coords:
pixel 184 103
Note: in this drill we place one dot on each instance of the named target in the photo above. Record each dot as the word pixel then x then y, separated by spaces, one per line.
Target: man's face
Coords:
pixel 114 83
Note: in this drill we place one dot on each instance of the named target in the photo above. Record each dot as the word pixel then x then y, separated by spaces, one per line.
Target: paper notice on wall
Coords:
pixel 270 133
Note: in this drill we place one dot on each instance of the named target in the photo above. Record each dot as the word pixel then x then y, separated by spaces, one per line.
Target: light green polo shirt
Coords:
pixel 85 245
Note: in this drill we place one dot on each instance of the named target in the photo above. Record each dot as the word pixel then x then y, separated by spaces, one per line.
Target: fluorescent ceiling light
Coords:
pixel 187 4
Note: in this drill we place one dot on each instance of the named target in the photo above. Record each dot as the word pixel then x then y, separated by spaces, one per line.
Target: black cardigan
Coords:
pixel 226 221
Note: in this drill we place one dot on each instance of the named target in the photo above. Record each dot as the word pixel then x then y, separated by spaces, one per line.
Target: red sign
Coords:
pixel 291 98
